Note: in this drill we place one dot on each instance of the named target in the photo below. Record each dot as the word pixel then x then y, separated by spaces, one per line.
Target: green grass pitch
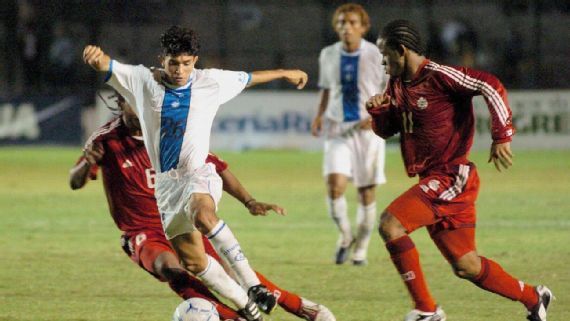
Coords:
pixel 60 257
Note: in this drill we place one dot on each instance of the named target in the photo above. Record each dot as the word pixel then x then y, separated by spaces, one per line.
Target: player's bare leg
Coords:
pixel 291 302
pixel 365 220
pixel 338 210
pixel 167 266
pixel 190 250
pixel 406 259
pixel 202 209
pixel 490 276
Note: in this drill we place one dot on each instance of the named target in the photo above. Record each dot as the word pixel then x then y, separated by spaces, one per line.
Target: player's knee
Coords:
pixel 335 192
pixel 467 267
pixel 367 194
pixel 366 226
pixel 390 228
pixel 465 273
pixel 193 265
pixel 205 221
pixel 171 274
pixel 166 266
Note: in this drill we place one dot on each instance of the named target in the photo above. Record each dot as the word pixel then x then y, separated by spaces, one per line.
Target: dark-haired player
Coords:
pixel 176 117
pixel 429 105
pixel 128 178
pixel 350 71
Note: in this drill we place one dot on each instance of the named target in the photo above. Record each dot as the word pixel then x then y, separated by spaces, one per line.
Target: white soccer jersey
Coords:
pixel 176 123
pixel 352 79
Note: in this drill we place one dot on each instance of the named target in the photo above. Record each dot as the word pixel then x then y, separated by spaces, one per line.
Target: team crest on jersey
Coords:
pixel 175 104
pixel 422 103
pixel 348 69
pixel 127 164
pixel 434 185
pixel 140 238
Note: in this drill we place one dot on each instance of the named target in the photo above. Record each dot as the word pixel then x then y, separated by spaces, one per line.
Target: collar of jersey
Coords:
pixel 188 84
pixel 354 53
pixel 419 71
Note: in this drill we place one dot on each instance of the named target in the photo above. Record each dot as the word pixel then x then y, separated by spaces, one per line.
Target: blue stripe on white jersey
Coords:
pixel 349 82
pixel 173 118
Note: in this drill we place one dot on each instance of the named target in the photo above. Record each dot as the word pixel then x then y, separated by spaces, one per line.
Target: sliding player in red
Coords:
pixel 429 105
pixel 128 178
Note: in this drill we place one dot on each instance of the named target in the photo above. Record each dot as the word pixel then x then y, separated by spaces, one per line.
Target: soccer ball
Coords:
pixel 196 309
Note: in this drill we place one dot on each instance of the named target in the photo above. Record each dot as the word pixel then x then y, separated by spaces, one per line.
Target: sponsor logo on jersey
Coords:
pixel 175 104
pixel 348 69
pixel 127 164
pixel 422 103
pixel 434 185
pixel 140 238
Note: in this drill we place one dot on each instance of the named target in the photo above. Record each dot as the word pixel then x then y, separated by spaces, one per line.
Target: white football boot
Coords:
pixel 417 315
pixel 312 311
pixel 538 313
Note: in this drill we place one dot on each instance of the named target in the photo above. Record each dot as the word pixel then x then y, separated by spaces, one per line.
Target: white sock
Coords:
pixel 338 210
pixel 365 219
pixel 216 279
pixel 228 248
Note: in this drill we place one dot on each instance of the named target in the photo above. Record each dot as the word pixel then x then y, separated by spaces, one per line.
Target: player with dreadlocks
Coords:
pixel 430 106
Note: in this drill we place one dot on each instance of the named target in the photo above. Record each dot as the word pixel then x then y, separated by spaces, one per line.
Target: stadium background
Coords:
pixel 59 249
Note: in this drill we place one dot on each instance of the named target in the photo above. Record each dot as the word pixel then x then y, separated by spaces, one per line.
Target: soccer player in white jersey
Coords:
pixel 176 118
pixel 350 71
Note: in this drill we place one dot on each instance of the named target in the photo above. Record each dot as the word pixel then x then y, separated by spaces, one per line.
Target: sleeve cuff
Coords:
pixel 109 72
pixel 505 137
pixel 502 140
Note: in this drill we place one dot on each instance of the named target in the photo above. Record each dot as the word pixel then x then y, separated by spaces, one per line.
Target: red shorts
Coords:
pixel 144 248
pixel 444 202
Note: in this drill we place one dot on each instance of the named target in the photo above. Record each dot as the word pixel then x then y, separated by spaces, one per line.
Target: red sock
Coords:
pixel 494 279
pixel 290 302
pixel 187 287
pixel 406 258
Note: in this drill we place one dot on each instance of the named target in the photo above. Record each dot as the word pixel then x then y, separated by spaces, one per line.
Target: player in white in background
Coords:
pixel 176 118
pixel 350 71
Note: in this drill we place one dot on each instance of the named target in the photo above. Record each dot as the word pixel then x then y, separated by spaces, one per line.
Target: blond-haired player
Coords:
pixel 350 71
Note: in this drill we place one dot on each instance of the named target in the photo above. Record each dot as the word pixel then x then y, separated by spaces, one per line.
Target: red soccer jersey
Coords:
pixel 434 115
pixel 128 177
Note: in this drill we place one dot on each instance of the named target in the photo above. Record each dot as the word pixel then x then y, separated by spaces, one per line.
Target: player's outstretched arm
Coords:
pixel 234 187
pixel 79 174
pixel 294 76
pixel 96 58
pixel 501 155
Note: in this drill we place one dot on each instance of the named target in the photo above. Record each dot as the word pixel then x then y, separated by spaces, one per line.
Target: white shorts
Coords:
pixel 356 153
pixel 173 190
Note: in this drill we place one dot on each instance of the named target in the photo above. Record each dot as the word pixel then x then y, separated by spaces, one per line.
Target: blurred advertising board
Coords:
pixel 264 119
pixel 541 118
pixel 282 119
pixel 41 120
